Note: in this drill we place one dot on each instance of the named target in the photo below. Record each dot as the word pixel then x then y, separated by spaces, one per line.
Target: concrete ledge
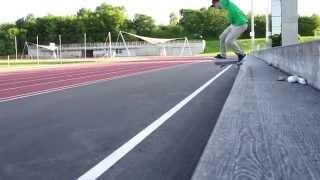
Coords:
pixel 301 59
pixel 267 130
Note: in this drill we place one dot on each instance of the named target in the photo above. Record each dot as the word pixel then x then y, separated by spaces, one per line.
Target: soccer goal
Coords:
pixel 32 50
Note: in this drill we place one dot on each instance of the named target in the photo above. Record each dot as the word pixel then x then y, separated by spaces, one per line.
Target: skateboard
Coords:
pixel 225 62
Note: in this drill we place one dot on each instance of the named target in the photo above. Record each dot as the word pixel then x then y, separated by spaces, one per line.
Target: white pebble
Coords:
pixel 293 79
pixel 302 81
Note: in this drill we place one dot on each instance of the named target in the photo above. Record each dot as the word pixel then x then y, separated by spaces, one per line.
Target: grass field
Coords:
pixel 213 45
pixel 12 64
pixel 304 39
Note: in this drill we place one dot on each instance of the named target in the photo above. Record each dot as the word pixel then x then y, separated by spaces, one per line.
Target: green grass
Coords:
pixel 33 63
pixel 304 39
pixel 213 45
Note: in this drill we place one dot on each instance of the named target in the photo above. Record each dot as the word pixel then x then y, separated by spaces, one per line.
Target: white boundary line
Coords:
pixel 118 154
pixel 8 99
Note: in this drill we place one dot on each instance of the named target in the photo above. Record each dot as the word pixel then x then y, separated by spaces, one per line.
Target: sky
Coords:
pixel 11 10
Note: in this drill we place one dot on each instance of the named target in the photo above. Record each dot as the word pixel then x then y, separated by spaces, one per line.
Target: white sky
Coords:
pixel 11 10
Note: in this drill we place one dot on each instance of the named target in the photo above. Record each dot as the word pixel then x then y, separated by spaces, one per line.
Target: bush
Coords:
pixel 276 40
pixel 307 25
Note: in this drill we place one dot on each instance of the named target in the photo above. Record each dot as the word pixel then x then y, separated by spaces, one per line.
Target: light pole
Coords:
pixel 85 46
pixel 16 47
pixel 110 45
pixel 60 42
pixel 38 49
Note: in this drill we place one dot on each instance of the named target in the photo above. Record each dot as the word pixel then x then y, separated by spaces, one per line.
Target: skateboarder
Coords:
pixel 238 25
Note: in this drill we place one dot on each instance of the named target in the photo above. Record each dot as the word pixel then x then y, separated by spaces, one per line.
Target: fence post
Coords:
pixel 8 60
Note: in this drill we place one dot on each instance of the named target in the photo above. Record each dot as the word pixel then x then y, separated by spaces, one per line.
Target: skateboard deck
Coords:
pixel 220 62
pixel 225 62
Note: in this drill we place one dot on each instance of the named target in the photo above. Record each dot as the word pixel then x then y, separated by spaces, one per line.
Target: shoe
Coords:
pixel 219 56
pixel 241 57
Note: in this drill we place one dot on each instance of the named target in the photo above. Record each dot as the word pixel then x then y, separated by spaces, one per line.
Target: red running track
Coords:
pixel 24 83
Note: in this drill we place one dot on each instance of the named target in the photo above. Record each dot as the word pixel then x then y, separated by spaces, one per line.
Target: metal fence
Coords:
pixel 136 48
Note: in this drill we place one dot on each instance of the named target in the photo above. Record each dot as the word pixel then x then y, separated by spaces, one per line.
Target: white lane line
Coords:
pixel 118 154
pixel 37 93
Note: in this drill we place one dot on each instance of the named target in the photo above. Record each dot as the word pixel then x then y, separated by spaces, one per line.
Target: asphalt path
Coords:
pixel 65 133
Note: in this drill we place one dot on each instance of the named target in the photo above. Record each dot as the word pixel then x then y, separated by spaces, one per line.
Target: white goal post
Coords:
pixel 51 48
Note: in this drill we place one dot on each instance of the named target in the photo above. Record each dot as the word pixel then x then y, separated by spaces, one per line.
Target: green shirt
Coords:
pixel 235 15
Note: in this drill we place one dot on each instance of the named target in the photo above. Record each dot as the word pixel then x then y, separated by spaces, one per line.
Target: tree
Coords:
pixel 307 25
pixel 107 18
pixel 204 22
pixel 260 27
pixel 143 24
pixel 7 34
pixel 70 28
pixel 28 25
pixel 174 19
pixel 163 31
pixel 84 13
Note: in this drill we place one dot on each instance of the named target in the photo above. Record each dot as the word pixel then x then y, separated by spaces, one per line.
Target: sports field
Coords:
pixel 212 48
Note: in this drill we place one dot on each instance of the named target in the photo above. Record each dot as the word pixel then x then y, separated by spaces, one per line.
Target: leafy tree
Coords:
pixel 143 24
pixel 260 27
pixel 7 34
pixel 174 19
pixel 70 28
pixel 208 23
pixel 307 25
pixel 84 13
pixel 107 18
pixel 163 31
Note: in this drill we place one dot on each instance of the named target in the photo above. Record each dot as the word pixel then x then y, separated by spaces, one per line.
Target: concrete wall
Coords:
pixel 301 59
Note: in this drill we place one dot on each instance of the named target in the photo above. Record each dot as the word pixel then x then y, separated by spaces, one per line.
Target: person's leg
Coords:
pixel 233 35
pixel 222 38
